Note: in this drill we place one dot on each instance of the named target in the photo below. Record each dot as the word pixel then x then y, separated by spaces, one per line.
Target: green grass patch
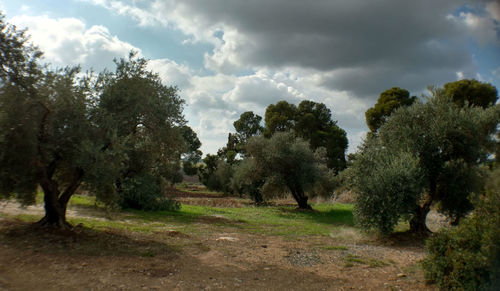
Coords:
pixel 335 248
pixel 351 260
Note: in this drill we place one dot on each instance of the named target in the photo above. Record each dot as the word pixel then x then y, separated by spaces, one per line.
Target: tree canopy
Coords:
pixel 471 92
pixel 388 101
pixel 312 122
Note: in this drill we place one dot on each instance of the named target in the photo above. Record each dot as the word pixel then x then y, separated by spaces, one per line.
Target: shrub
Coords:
pixel 468 257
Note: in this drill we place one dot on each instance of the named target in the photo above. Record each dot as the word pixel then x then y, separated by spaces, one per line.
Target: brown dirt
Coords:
pixel 85 259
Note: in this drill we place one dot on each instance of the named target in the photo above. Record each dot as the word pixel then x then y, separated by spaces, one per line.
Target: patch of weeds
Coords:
pixel 335 248
pixel 355 259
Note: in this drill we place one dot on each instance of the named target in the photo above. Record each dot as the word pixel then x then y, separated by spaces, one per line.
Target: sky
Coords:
pixel 228 57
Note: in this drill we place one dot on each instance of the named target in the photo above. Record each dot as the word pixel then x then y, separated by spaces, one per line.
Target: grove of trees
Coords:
pixel 297 151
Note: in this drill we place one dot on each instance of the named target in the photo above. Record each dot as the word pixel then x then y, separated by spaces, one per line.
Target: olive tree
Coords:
pixel 425 154
pixel 117 132
pixel 285 161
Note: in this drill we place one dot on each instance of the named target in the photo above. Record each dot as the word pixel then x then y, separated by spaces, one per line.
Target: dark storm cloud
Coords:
pixel 388 41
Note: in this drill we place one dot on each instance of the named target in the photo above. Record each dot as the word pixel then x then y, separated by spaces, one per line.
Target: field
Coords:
pixel 212 243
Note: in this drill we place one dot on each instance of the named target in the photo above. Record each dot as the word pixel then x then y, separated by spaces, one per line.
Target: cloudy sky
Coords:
pixel 231 56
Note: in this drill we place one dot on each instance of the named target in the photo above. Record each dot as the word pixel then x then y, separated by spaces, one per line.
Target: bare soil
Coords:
pixel 85 259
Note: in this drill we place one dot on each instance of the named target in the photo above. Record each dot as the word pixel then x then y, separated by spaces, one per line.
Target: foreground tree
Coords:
pixel 422 155
pixel 44 127
pixel 119 133
pixel 387 102
pixel 285 162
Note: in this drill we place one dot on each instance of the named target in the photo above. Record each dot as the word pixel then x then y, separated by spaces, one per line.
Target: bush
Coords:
pixel 468 257
pixel 146 193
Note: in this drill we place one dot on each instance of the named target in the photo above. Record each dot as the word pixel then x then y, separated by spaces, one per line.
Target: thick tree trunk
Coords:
pixel 55 205
pixel 55 212
pixel 301 198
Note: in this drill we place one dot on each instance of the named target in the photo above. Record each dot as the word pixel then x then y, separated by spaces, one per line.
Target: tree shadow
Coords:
pixel 81 240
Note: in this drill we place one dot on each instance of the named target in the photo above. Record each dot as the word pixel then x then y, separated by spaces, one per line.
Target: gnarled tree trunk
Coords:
pixel 55 204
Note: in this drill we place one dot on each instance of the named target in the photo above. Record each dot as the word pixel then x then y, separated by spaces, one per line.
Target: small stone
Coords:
pixel 401 275
pixel 227 238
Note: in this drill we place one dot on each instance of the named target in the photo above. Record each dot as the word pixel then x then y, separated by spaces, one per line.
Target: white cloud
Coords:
pixel 68 41
pixel 482 27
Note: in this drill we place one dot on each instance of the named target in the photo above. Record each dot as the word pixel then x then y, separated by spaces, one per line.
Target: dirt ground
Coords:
pixel 85 259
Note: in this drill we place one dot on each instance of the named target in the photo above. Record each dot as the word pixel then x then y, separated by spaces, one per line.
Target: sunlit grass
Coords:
pixel 270 220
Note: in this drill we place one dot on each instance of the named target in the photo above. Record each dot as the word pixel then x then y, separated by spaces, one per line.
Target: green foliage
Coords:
pixel 388 101
pixel 284 162
pixel 435 149
pixel 216 174
pixel 247 125
pixel 248 179
pixel 467 257
pixel 312 122
pixel 388 185
pixel 189 168
pixel 279 117
pixel 147 193
pixel 471 92
pixel 141 126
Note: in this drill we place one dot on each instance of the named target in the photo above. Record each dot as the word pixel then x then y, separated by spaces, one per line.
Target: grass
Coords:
pixel 268 220
pixel 335 248
pixel 351 259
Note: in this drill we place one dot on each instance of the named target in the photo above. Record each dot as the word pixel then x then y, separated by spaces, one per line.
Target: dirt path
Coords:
pixel 168 260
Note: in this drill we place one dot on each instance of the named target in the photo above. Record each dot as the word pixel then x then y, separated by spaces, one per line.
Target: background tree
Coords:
pixel 388 101
pixel 248 125
pixel 441 146
pixel 285 162
pixel 215 173
pixel 279 117
pixel 471 92
pixel 314 123
pixel 192 154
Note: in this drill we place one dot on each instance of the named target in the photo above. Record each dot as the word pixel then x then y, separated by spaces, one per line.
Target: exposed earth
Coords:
pixel 207 259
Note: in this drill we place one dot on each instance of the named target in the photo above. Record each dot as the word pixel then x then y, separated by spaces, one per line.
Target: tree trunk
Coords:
pixel 55 205
pixel 417 222
pixel 301 198
pixel 55 212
